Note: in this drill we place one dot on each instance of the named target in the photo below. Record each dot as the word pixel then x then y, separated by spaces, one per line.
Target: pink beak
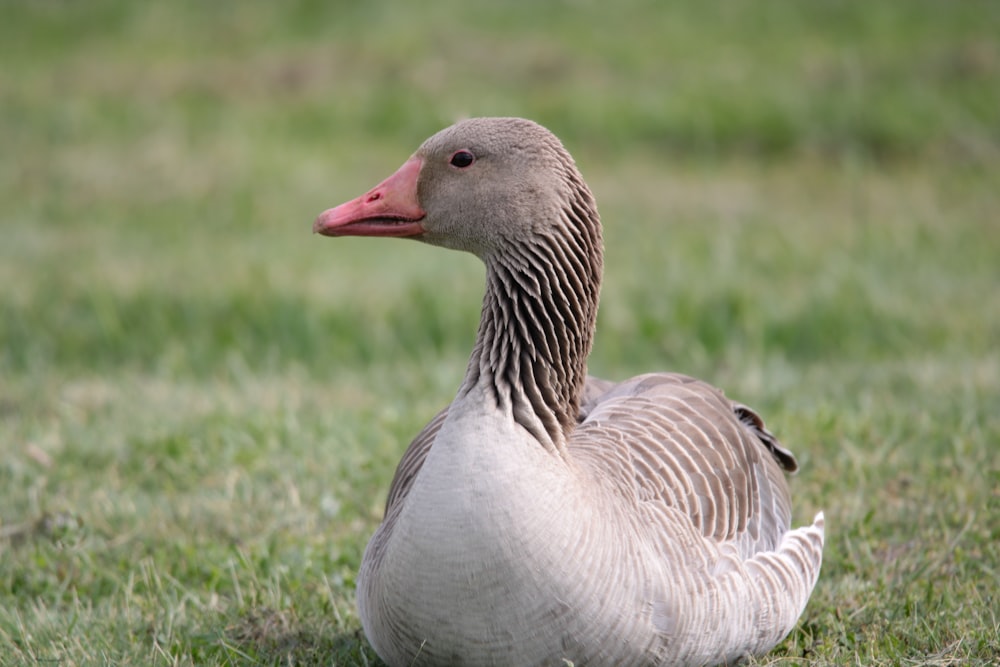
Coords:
pixel 391 208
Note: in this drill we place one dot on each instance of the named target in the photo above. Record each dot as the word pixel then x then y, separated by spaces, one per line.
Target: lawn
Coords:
pixel 202 404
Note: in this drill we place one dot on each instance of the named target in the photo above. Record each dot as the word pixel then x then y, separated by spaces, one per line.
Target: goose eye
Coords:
pixel 462 159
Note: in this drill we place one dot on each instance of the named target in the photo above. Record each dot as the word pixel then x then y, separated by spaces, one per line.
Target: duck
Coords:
pixel 546 516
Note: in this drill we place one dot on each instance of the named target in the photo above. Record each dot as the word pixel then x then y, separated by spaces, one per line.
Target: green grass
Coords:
pixel 201 404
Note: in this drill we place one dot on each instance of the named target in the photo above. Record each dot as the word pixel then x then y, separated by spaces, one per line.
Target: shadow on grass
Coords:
pixel 264 636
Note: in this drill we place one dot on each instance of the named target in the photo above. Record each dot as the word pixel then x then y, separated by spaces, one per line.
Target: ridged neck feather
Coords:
pixel 539 312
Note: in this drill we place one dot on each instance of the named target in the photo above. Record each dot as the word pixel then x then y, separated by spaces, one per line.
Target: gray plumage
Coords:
pixel 547 516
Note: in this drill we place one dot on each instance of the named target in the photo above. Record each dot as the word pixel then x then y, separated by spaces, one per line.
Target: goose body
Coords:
pixel 546 516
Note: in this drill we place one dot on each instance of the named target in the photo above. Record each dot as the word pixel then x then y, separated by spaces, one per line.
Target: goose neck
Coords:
pixel 536 332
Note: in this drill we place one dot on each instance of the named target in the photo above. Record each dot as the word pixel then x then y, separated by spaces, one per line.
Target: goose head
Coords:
pixel 507 190
pixel 481 185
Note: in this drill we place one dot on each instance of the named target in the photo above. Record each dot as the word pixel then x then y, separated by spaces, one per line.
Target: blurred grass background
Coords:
pixel 201 404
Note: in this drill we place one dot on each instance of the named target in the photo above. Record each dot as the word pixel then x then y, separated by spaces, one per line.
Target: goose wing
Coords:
pixel 671 439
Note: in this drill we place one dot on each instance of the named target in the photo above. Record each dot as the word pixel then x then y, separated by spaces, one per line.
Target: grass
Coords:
pixel 201 405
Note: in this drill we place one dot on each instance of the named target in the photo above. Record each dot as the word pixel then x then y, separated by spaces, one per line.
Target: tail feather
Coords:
pixel 762 598
pixel 789 574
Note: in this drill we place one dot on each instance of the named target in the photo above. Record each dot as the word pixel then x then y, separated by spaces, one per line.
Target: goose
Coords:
pixel 546 517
